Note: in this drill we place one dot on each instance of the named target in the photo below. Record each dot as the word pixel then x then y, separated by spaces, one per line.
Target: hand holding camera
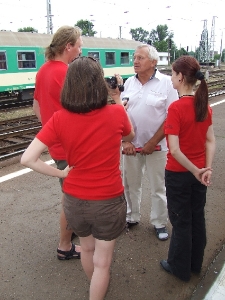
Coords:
pixel 114 82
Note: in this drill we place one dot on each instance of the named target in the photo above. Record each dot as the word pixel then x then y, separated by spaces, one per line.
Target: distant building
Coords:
pixel 163 59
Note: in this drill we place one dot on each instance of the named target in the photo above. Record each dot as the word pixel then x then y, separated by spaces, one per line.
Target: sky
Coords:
pixel 184 18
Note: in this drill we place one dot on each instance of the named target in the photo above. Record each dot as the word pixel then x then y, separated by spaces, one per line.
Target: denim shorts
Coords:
pixel 104 219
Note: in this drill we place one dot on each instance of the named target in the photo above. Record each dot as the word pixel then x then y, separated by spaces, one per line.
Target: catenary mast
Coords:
pixel 49 18
pixel 212 40
pixel 204 45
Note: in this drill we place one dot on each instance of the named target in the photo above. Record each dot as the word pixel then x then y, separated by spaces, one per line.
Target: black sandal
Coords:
pixel 73 235
pixel 68 254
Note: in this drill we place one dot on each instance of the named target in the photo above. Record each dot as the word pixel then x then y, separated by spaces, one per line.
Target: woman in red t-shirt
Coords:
pixel 191 143
pixel 90 132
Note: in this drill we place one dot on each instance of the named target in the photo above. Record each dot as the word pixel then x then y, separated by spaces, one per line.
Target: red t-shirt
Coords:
pixel 92 145
pixel 180 121
pixel 49 82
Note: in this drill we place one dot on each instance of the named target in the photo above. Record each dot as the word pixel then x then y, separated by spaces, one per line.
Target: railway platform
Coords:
pixel 212 286
pixel 29 222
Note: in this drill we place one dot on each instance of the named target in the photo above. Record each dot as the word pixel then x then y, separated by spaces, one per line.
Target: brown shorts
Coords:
pixel 61 165
pixel 104 219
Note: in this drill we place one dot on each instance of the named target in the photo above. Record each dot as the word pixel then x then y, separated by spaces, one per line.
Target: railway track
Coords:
pixel 16 135
pixel 12 103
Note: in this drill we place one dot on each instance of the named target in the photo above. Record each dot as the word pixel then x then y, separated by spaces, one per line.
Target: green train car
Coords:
pixel 22 54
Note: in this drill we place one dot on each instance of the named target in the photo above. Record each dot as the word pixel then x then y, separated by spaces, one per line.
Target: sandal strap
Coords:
pixel 161 230
pixel 67 253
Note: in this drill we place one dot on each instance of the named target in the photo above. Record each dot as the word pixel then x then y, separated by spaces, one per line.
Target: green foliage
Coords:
pixel 86 27
pixel 27 29
pixel 161 46
pixel 216 57
pixel 223 56
pixel 160 34
pixel 139 34
pixel 159 37
pixel 181 52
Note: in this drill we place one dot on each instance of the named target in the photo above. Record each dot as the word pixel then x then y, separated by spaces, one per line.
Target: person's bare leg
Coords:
pixel 96 260
pixel 102 261
pixel 65 235
pixel 88 247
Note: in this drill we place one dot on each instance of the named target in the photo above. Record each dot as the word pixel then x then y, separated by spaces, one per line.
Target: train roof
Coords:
pixel 9 38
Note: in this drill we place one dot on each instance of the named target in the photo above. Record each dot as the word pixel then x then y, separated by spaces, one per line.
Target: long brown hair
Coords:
pixel 85 88
pixel 189 67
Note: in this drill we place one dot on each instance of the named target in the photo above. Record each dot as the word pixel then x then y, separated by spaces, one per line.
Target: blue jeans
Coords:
pixel 186 198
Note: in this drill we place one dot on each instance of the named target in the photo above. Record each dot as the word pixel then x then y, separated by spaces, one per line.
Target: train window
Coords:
pixel 26 60
pixel 3 65
pixel 95 55
pixel 110 58
pixel 124 58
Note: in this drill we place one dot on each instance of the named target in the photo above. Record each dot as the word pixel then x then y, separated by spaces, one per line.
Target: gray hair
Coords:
pixel 152 52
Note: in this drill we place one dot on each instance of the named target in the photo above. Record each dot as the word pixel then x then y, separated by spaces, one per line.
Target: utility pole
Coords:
pixel 204 45
pixel 169 49
pixel 212 40
pixel 120 32
pixel 49 18
pixel 221 50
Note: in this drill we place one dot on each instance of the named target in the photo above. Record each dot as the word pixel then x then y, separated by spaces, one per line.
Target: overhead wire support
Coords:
pixel 49 18
pixel 212 40
pixel 204 44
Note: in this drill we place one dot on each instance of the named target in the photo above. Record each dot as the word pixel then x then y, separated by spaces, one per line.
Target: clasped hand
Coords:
pixel 204 176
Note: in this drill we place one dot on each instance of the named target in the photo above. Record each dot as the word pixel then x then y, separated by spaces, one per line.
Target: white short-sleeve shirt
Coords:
pixel 148 105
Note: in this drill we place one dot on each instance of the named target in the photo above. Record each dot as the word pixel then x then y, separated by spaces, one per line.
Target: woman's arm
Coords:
pixel 210 146
pixel 175 151
pixel 210 152
pixel 31 159
pixel 36 109
pixel 115 94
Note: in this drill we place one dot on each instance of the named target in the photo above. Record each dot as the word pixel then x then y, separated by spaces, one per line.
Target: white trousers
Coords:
pixel 133 170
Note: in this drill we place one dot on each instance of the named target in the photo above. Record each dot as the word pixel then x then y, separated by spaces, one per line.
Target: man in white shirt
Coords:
pixel 150 93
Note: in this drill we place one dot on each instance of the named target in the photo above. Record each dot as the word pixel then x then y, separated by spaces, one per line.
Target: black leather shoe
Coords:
pixel 166 266
pixel 131 224
pixel 168 269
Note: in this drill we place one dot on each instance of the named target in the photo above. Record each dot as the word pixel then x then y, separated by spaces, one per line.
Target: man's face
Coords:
pixel 141 61
pixel 76 50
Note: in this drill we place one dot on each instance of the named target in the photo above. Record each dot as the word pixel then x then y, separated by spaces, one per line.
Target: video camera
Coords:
pixel 112 82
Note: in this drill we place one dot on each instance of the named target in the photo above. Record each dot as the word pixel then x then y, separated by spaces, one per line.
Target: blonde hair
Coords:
pixel 63 36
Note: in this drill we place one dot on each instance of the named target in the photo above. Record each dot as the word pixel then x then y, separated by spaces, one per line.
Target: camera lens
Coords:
pixel 112 82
